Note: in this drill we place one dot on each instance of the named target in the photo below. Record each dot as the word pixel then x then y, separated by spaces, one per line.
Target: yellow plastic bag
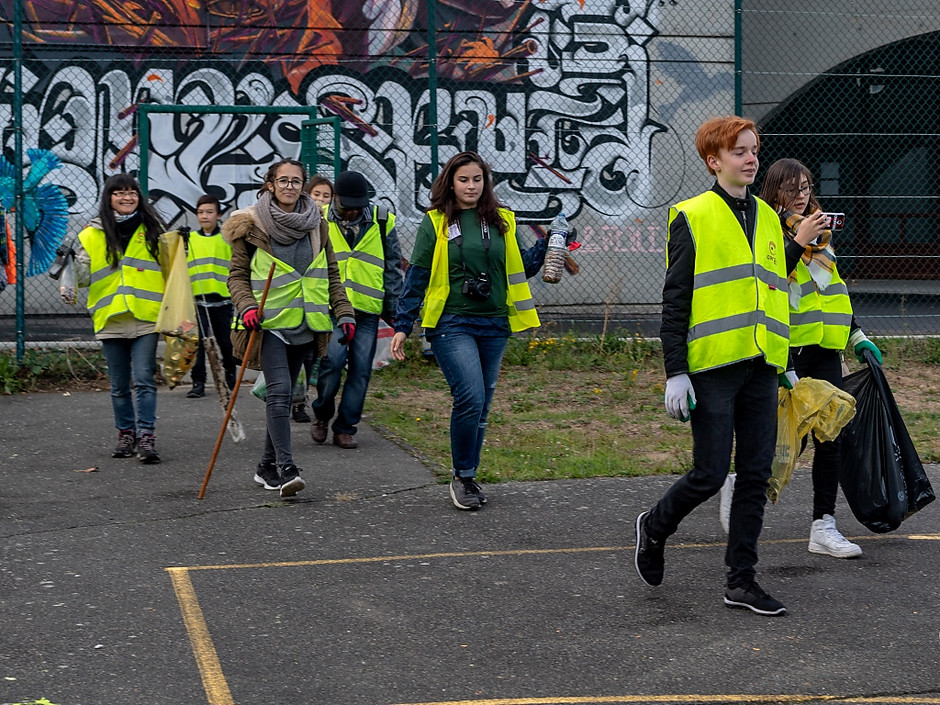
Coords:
pixel 813 405
pixel 177 320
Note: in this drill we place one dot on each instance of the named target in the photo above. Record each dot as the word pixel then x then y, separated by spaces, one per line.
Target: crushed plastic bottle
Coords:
pixel 555 256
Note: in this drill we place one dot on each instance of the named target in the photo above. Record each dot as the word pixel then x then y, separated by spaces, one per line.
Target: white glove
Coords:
pixel 792 378
pixel 680 397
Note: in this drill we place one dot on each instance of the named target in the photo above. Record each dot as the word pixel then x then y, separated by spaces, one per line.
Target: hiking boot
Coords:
pixel 724 502
pixel 464 493
pixel 826 539
pixel 267 476
pixel 318 430
pixel 127 442
pixel 344 440
pixel 146 450
pixel 750 596
pixel 291 481
pixel 648 556
pixel 230 379
pixel 198 390
pixel 299 413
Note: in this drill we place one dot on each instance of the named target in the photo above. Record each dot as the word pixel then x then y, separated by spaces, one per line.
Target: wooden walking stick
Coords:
pixel 238 384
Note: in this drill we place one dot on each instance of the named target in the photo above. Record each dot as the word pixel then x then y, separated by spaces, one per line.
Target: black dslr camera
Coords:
pixel 477 287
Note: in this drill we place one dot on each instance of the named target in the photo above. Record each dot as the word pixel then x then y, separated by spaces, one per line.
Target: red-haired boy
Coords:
pixel 725 336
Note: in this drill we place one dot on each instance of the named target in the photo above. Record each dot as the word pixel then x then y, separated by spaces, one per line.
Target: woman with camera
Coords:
pixel 284 228
pixel 821 323
pixel 470 274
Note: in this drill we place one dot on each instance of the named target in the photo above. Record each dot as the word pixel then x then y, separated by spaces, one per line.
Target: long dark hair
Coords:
pixel 784 174
pixel 444 200
pixel 149 218
pixel 272 172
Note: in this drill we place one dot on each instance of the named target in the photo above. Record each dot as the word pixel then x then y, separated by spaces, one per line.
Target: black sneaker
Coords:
pixel 146 450
pixel 479 492
pixel 198 391
pixel 299 413
pixel 230 379
pixel 750 596
pixel 648 557
pixel 291 481
pixel 267 476
pixel 465 493
pixel 127 442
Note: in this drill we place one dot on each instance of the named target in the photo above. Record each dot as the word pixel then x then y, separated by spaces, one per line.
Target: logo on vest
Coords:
pixel 772 252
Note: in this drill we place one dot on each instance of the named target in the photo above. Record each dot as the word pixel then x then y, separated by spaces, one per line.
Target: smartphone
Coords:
pixel 835 221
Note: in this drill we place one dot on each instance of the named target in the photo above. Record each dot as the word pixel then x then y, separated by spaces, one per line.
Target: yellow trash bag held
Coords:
pixel 813 405
pixel 177 318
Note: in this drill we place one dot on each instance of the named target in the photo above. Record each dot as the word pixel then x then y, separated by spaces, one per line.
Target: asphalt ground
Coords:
pixel 119 586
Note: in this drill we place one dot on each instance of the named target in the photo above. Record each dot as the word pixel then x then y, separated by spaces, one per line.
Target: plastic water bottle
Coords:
pixel 555 257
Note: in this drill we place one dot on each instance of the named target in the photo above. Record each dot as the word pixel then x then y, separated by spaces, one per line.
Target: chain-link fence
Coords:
pixel 851 90
pixel 588 108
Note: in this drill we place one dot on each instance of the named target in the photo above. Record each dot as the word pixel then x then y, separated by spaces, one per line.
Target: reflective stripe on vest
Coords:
pixel 739 297
pixel 824 317
pixel 135 285
pixel 519 302
pixel 362 268
pixel 208 259
pixel 292 298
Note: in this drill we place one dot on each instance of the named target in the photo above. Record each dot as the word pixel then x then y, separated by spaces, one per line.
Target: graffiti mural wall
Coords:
pixel 581 106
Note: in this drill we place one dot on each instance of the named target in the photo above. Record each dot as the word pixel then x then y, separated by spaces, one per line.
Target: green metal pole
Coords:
pixel 18 178
pixel 143 145
pixel 432 83
pixel 737 56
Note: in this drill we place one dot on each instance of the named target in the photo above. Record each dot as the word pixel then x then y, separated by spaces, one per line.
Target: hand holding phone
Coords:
pixel 835 221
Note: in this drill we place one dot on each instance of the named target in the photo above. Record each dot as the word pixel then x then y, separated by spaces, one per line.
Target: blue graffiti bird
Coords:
pixel 45 210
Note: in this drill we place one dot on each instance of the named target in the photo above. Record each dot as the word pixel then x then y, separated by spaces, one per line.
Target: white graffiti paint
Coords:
pixel 578 136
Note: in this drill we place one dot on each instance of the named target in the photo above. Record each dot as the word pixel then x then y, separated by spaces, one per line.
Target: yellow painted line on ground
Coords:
pixel 203 649
pixel 690 698
pixel 521 552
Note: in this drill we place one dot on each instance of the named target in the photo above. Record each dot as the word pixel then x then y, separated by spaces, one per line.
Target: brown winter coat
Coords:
pixel 241 230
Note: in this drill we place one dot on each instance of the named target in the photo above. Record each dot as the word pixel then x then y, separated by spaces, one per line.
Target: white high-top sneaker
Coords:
pixel 724 501
pixel 825 538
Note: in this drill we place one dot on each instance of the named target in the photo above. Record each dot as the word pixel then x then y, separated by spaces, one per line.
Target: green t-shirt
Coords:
pixel 476 260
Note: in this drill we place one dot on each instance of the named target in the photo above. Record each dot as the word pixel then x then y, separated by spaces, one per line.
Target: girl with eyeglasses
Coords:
pixel 470 273
pixel 821 324
pixel 122 258
pixel 283 228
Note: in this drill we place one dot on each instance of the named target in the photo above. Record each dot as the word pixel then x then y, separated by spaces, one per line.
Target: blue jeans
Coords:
pixel 133 360
pixel 357 358
pixel 280 363
pixel 733 403
pixel 469 356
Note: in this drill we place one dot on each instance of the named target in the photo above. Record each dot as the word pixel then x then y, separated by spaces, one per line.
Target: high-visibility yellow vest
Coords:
pixel 739 297
pixel 519 302
pixel 135 285
pixel 208 258
pixel 824 317
pixel 362 268
pixel 292 298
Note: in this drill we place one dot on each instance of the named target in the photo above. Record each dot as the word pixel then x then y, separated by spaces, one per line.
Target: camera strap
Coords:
pixel 486 244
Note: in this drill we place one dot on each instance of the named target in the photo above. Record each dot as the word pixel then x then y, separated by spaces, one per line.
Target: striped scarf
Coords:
pixel 820 259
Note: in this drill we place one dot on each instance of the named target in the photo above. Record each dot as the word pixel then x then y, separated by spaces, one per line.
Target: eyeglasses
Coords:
pixel 284 182
pixel 125 193
pixel 804 190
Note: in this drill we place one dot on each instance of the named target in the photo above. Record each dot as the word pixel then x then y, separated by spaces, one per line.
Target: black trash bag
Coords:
pixel 881 475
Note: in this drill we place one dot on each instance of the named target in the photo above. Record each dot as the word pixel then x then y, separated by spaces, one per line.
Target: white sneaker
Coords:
pixel 825 538
pixel 724 502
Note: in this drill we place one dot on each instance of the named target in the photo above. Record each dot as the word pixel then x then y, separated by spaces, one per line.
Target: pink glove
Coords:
pixel 252 319
pixel 349 332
